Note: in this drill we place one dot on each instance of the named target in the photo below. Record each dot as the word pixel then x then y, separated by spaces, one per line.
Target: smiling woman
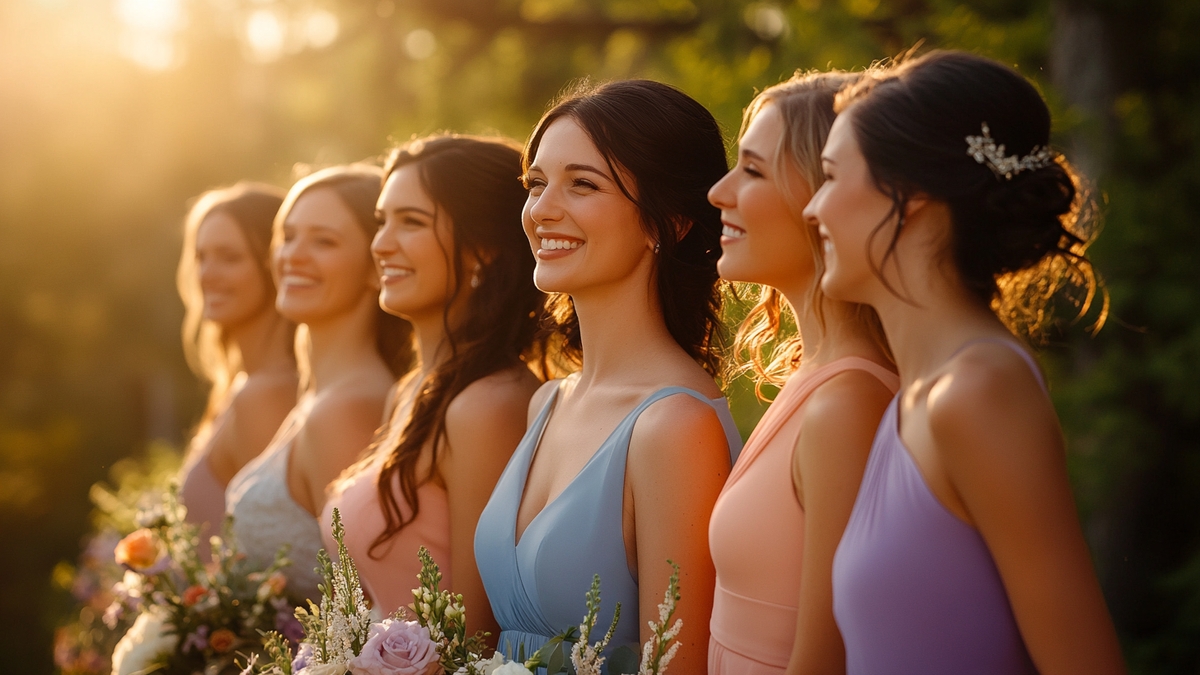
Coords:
pixel 621 462
pixel 454 263
pixel 351 357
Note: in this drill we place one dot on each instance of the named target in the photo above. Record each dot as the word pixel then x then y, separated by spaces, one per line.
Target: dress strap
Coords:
pixel 795 395
pixel 1017 348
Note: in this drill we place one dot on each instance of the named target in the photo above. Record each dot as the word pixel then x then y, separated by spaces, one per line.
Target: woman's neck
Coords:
pixel 934 322
pixel 622 331
pixel 430 335
pixel 264 343
pixel 836 332
pixel 342 345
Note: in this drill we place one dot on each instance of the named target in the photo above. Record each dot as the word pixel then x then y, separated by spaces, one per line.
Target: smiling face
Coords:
pixel 583 230
pixel 848 209
pixel 413 248
pixel 322 264
pixel 762 241
pixel 231 279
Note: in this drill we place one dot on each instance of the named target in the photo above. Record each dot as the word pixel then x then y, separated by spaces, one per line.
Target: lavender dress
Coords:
pixel 915 589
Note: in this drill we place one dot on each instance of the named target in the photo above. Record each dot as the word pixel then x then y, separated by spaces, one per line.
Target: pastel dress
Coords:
pixel 267 517
pixel 390 575
pixel 537 586
pixel 756 535
pixel 915 589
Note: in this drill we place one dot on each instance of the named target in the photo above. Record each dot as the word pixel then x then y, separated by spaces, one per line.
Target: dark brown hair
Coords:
pixel 1015 241
pixel 252 206
pixel 476 182
pixel 358 186
pixel 673 149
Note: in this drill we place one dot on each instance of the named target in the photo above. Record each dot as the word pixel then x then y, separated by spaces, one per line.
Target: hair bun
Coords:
pixel 1025 216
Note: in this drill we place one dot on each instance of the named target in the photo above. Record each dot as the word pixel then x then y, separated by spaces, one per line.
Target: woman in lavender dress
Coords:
pixel 943 210
pixel 234 339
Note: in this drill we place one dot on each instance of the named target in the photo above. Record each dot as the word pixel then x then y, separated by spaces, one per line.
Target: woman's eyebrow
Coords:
pixel 587 167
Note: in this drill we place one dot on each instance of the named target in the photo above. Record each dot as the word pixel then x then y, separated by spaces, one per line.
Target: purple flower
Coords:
pixel 285 621
pixel 397 648
pixel 197 640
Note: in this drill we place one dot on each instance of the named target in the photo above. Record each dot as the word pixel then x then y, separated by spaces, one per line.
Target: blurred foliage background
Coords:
pixel 114 112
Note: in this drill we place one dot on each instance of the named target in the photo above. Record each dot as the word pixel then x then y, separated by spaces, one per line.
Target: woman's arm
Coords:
pixel 838 427
pixel 996 433
pixel 484 424
pixel 678 461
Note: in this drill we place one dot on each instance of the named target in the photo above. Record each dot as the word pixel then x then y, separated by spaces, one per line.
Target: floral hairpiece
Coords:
pixel 985 151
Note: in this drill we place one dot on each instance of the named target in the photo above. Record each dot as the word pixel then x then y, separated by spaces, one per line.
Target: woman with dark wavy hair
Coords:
pixel 351 353
pixel 454 263
pixel 944 209
pixel 622 461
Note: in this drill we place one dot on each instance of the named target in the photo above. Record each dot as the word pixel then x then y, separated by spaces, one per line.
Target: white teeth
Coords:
pixel 391 271
pixel 296 280
pixel 732 232
pixel 560 244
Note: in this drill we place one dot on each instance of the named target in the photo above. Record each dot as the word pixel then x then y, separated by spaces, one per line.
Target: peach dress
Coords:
pixel 390 577
pixel 756 536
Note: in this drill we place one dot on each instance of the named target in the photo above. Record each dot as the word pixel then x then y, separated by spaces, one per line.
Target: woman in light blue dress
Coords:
pixel 623 460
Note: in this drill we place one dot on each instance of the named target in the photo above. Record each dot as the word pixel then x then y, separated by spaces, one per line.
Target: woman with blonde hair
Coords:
pixel 234 339
pixel 790 494
pixel 352 354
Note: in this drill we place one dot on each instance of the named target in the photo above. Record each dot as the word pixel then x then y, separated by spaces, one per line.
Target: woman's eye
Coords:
pixel 752 171
pixel 583 183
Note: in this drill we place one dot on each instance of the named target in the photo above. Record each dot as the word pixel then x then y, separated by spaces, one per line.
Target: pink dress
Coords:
pixel 390 577
pixel 756 536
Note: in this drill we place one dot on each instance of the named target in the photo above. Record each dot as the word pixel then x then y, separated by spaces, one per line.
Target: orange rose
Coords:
pixel 139 551
pixel 277 582
pixel 222 640
pixel 193 594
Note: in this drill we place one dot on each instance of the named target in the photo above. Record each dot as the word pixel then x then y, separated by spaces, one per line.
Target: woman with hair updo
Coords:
pixel 233 338
pixel 351 353
pixel 456 265
pixel 790 493
pixel 944 210
pixel 622 461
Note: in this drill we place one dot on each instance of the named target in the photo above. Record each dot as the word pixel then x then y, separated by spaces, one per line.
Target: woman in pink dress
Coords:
pixel 454 262
pixel 778 520
pixel 234 339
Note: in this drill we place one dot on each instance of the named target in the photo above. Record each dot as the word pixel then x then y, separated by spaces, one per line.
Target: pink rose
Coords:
pixel 397 648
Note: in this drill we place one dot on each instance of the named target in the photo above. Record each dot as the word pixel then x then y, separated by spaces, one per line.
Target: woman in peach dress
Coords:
pixel 778 520
pixel 454 262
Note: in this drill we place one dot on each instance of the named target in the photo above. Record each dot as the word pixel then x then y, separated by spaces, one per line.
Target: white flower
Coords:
pixel 145 642
pixel 490 666
pixel 511 668
pixel 324 669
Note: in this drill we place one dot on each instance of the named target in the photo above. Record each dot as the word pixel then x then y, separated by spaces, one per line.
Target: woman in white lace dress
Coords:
pixel 350 353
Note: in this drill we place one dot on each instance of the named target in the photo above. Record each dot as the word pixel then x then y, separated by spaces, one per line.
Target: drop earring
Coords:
pixel 475 276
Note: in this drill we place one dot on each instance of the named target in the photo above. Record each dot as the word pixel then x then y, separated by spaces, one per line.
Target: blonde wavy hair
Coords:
pixel 206 345
pixel 766 343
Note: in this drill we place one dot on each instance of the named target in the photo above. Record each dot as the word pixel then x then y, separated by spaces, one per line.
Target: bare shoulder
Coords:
pixel 675 428
pixel 267 390
pixel 850 398
pixel 346 411
pixel 502 396
pixel 984 387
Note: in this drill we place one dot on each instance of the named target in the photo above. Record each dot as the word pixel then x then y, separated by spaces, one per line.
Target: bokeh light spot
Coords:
pixel 420 44
pixel 321 28
pixel 265 35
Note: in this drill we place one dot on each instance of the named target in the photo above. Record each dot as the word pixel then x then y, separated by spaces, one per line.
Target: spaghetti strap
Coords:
pixel 1016 347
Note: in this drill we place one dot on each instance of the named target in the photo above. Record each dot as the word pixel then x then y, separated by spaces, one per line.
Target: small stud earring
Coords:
pixel 657 248
pixel 475 276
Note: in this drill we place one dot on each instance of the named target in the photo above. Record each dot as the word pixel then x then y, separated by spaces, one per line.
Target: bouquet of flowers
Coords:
pixel 340 638
pixel 192 616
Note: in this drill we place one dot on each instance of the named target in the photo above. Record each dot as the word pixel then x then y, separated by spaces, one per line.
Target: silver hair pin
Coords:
pixel 985 151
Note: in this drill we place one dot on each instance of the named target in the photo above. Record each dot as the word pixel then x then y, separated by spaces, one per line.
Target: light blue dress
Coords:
pixel 537 587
